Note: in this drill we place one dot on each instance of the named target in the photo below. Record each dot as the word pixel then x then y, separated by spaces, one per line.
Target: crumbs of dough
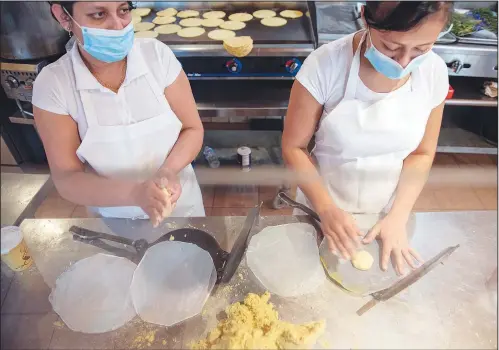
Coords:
pixel 254 324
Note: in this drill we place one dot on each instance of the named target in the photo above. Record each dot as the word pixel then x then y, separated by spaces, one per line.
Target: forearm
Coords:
pixel 93 190
pixel 414 175
pixel 300 160
pixel 185 150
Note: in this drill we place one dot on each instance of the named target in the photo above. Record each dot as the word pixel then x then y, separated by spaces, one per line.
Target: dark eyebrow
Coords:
pixel 397 43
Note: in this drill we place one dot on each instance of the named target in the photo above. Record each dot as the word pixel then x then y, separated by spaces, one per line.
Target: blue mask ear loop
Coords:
pixel 76 38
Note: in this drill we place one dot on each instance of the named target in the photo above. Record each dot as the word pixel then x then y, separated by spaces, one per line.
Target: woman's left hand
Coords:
pixel 392 232
pixel 170 181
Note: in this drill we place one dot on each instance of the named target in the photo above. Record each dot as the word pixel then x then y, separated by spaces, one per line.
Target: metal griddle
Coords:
pixel 296 31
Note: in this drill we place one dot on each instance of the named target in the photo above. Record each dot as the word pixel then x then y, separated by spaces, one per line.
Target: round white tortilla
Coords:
pixel 163 20
pixel 273 21
pixel 142 11
pixel 212 22
pixel 241 17
pixel 93 295
pixel 169 12
pixel 291 14
pixel 172 282
pixel 190 32
pixel 285 259
pixel 146 34
pixel 191 22
pixel 264 13
pixel 143 26
pixel 188 13
pixel 214 14
pixel 221 34
pixel 232 25
pixel 168 29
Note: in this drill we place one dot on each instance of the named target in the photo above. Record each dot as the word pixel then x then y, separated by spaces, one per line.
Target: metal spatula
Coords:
pixel 225 263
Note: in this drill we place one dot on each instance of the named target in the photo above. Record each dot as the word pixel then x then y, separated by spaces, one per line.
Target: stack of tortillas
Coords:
pixel 239 46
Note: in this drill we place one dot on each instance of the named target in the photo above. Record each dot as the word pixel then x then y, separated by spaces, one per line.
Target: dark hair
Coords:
pixel 68 5
pixel 402 16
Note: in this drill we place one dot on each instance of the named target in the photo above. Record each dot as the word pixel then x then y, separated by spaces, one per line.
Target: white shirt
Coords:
pixel 56 88
pixel 325 72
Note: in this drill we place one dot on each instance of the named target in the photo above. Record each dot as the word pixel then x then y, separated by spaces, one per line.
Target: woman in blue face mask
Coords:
pixel 117 118
pixel 374 101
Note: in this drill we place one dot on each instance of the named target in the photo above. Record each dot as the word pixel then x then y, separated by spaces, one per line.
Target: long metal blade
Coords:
pixel 237 252
pixel 405 282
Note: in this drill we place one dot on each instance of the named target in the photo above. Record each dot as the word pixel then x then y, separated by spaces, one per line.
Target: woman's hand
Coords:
pixel 392 232
pixel 150 196
pixel 169 180
pixel 340 230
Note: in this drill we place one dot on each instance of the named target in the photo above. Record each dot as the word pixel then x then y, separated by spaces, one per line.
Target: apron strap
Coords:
pixel 353 76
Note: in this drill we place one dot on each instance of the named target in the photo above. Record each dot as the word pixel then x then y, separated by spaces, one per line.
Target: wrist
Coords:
pixel 399 214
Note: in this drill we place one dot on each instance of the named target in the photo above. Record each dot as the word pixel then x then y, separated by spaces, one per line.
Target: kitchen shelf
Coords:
pixel 468 93
pixel 456 140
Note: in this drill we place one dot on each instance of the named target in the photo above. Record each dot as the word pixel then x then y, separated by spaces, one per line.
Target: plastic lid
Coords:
pixel 11 236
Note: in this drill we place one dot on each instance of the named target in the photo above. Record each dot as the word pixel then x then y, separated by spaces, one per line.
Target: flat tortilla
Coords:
pixel 143 26
pixel 291 14
pixel 169 12
pixel 191 22
pixel 232 25
pixel 273 21
pixel 188 13
pixel 214 14
pixel 163 20
pixel 212 22
pixel 221 34
pixel 167 29
pixel 136 19
pixel 141 11
pixel 190 32
pixel 264 13
pixel 241 17
pixel 146 34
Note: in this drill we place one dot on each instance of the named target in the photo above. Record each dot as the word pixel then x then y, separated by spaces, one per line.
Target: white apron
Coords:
pixel 135 152
pixel 360 147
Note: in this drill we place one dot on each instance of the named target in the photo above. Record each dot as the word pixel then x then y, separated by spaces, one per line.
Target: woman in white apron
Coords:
pixel 117 118
pixel 374 101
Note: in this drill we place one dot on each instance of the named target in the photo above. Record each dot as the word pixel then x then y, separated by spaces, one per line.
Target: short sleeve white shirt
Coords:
pixel 58 85
pixel 325 72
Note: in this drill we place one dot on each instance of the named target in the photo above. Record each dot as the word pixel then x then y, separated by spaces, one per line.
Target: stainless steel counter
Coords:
pixel 21 195
pixel 454 306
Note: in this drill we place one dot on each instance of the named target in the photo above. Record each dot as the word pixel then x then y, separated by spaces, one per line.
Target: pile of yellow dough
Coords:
pixel 254 324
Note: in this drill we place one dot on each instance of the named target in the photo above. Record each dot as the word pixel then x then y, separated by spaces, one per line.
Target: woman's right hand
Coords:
pixel 340 230
pixel 152 199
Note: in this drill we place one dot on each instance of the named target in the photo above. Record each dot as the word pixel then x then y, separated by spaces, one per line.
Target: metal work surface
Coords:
pixel 454 306
pixel 21 195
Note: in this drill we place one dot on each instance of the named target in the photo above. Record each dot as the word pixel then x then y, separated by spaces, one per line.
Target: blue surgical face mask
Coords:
pixel 387 66
pixel 107 45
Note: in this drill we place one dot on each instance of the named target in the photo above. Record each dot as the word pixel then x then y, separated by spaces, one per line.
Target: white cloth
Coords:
pixel 361 144
pixel 125 135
